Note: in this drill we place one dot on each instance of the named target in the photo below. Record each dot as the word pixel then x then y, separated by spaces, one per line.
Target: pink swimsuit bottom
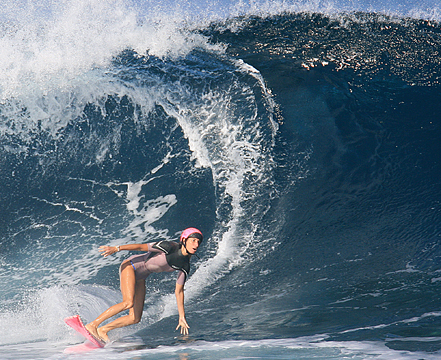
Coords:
pixel 152 262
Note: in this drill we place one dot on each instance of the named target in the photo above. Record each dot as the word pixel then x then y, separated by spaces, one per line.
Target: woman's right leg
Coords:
pixel 128 282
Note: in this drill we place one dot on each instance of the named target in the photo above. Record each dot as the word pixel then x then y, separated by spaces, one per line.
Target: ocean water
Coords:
pixel 302 138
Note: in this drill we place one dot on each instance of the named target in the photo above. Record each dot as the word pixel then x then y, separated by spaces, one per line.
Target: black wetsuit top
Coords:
pixel 175 258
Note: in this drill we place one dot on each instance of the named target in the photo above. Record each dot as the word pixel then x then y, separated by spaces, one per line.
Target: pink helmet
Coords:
pixel 191 231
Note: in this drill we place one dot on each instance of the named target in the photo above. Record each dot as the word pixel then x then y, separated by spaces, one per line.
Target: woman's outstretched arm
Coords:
pixel 109 250
pixel 179 292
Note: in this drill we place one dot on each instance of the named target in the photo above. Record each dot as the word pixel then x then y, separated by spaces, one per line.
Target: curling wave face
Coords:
pixel 300 142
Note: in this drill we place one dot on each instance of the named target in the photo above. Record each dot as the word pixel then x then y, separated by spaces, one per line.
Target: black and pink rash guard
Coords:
pixel 163 256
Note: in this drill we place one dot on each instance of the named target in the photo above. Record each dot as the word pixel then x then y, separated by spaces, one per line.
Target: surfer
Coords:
pixel 163 256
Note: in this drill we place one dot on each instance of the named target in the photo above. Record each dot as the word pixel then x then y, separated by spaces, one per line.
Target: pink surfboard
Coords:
pixel 92 342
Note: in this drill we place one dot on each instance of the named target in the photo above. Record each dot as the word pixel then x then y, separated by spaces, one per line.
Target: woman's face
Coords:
pixel 192 245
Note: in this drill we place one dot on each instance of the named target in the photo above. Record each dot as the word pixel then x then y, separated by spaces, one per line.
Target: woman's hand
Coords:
pixel 108 250
pixel 183 325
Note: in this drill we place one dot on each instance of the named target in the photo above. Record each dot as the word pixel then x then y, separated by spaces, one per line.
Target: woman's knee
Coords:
pixel 136 319
pixel 128 304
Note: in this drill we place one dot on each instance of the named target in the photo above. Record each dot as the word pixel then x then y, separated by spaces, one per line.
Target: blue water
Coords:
pixel 302 138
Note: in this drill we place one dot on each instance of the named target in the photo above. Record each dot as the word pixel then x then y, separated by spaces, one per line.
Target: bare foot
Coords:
pixel 93 330
pixel 103 334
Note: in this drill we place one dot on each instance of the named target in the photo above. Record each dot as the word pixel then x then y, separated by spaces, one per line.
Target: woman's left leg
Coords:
pixel 128 289
pixel 134 315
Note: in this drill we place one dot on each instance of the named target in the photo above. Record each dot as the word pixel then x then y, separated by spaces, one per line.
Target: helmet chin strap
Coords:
pixel 184 244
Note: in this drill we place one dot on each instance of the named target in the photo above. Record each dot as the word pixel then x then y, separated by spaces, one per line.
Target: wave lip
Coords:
pixel 43 48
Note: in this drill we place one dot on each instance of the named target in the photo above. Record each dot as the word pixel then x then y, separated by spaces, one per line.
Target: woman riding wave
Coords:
pixel 163 256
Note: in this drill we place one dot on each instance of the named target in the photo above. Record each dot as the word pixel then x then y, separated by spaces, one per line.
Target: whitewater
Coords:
pixel 301 137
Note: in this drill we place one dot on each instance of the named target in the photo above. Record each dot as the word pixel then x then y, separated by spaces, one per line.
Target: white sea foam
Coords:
pixel 49 47
pixel 39 314
pixel 232 147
